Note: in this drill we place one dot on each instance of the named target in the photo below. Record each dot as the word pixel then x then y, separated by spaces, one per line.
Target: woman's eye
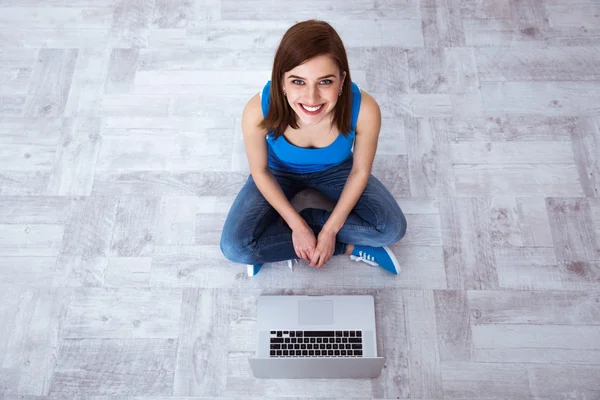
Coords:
pixel 328 81
pixel 295 82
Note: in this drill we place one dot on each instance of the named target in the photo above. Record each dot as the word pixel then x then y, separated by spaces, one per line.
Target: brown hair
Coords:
pixel 300 43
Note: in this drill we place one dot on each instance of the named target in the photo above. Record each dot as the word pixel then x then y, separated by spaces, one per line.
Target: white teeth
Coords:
pixel 311 109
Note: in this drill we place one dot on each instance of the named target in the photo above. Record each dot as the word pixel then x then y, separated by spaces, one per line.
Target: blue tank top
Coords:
pixel 284 156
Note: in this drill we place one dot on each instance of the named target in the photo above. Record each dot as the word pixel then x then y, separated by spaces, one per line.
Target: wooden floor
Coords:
pixel 121 153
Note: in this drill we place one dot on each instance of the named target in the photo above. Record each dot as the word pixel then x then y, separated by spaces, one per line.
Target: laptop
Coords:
pixel 316 337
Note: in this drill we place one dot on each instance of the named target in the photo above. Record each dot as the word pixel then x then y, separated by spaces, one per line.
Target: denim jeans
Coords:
pixel 253 235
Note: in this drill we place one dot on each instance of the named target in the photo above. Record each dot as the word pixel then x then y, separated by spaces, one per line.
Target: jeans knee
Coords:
pixel 395 228
pixel 235 251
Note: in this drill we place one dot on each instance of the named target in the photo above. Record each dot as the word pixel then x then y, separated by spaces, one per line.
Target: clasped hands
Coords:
pixel 316 250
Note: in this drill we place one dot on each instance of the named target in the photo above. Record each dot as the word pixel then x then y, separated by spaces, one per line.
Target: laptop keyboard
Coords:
pixel 316 344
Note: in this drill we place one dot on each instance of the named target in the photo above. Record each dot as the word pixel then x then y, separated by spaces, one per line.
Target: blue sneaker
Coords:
pixel 381 256
pixel 253 269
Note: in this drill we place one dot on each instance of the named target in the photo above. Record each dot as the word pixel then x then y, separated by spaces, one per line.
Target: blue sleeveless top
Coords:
pixel 284 156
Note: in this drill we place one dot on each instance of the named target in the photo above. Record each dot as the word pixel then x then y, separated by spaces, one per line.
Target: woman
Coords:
pixel 311 126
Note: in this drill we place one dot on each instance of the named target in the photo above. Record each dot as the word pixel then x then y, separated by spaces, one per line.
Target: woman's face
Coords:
pixel 312 89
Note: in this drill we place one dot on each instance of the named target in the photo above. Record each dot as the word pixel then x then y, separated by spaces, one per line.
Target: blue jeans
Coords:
pixel 253 235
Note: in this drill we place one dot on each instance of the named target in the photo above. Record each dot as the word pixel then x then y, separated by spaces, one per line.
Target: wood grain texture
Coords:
pixel 121 153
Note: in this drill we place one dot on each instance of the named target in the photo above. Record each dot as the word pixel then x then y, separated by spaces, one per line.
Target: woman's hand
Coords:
pixel 324 250
pixel 304 242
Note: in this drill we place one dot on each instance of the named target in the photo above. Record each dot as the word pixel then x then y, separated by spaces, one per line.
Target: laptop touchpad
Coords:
pixel 315 312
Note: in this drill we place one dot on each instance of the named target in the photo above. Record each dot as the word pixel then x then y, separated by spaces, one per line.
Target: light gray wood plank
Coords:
pixel 442 23
pixel 43 16
pixel 586 146
pixel 75 161
pixel 148 105
pixel 424 368
pixel 28 271
pixel 12 106
pixel 468 251
pixel 517 336
pixel 24 183
pixel 15 81
pixel 525 180
pixel 575 381
pixel 470 380
pixel 537 356
pixel 51 81
pixel 121 70
pixel 572 15
pixel 481 9
pixel 429 158
pixel 572 229
pixel 461 70
pixel 533 222
pixel 134 232
pixel 123 313
pixel 541 98
pixel 209 228
pixel 208 59
pixel 512 153
pixel 511 128
pixel 453 325
pixel 528 13
pixel 356 10
pixel 528 268
pixel 38 240
pixel 172 14
pixel 424 230
pixel 81 270
pixel 427 70
pixel 392 341
pixel 89 228
pixel 392 171
pixel 155 183
pixel 422 266
pixel 532 63
pixel 85 96
pixel 33 345
pixel 176 221
pixel 505 222
pixel 205 150
pixel 202 352
pixel 128 272
pixel 109 364
pixel 550 307
pixel 27 157
pixel 131 23
pixel 64 37
pixel 386 68
pixel 580 275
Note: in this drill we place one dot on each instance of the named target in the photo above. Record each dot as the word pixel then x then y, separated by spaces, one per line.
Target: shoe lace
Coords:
pixel 363 258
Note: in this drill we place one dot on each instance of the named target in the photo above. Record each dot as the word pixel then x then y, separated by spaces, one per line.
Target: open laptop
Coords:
pixel 316 337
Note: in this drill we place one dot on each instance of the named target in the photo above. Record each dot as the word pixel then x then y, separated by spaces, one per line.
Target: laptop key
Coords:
pixel 285 352
pixel 287 339
pixel 359 333
pixel 298 333
pixel 304 352
pixel 279 334
pixel 330 352
pixel 338 333
pixel 292 333
pixel 279 352
pixel 328 346
pixel 345 340
pixel 335 346
pixel 346 333
pixel 318 333
pixel 313 340
pixel 348 346
pixel 352 333
pixel 357 346
pixel 306 340
pixel 303 346
pixel 354 340
pixel 297 346
pixel 273 352
pixel 337 352
pixel 276 340
pixel 343 352
pixel 311 352
pixel 285 332
pixel 338 340
pixel 322 346
pixel 358 353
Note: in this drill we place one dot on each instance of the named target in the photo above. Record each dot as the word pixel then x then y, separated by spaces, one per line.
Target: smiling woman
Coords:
pixel 321 132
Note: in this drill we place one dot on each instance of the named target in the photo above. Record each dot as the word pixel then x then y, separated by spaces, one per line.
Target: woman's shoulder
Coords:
pixel 369 111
